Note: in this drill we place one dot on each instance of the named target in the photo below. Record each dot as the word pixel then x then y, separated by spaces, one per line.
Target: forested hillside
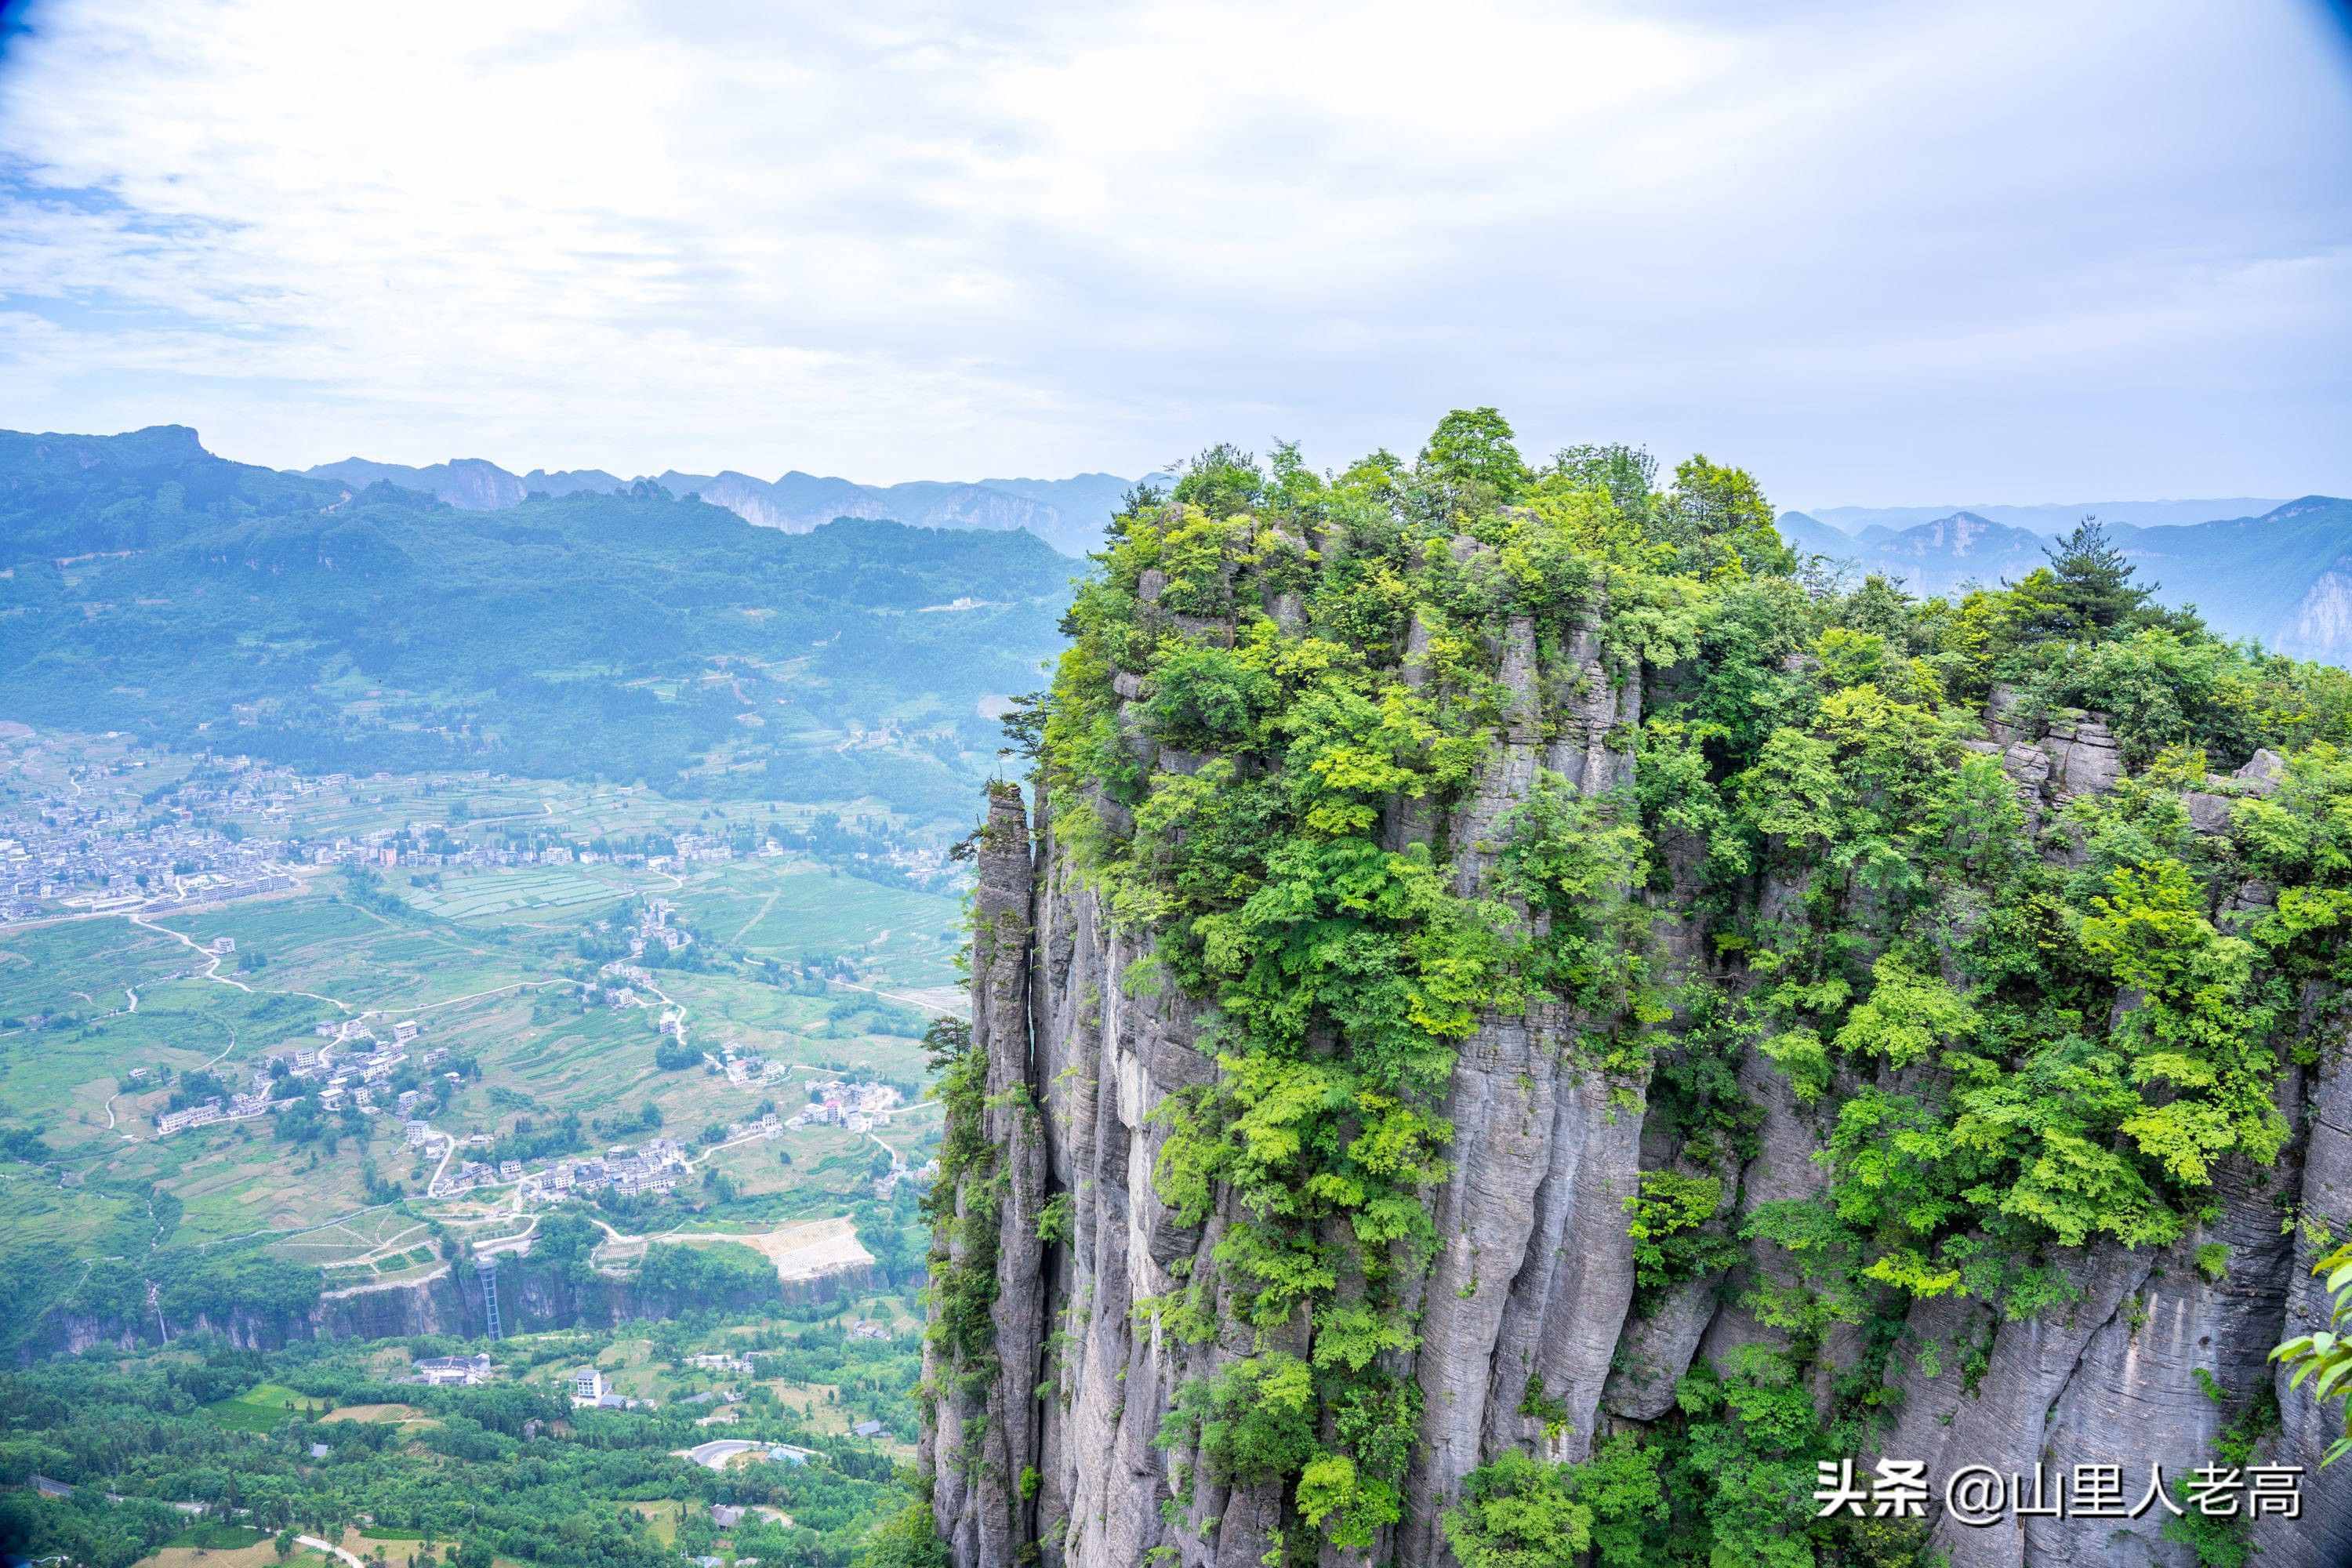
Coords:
pixel 146 585
pixel 223 1449
pixel 1518 1025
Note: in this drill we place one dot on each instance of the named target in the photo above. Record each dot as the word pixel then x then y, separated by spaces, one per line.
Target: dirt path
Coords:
pixel 302 1230
pixel 351 1559
pixel 212 969
pixel 765 905
pixel 477 996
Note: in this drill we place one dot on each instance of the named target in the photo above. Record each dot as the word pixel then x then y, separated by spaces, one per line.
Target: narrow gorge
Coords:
pixel 1516 1017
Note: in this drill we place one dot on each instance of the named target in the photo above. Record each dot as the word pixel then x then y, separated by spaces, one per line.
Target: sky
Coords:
pixel 1996 250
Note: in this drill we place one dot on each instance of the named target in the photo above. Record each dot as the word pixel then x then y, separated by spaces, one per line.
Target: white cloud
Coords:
pixel 1873 253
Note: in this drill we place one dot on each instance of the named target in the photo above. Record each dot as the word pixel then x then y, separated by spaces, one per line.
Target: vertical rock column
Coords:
pixel 986 1439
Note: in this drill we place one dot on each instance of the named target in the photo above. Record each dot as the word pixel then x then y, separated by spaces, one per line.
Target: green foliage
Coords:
pixel 906 1538
pixel 2327 1355
pixel 1053 1219
pixel 136 1435
pixel 1669 1244
pixel 964 1206
pixel 1519 1513
pixel 1254 1421
pixel 1472 450
pixel 1280 701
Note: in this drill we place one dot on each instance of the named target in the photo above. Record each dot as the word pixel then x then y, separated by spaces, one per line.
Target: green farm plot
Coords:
pixel 836 1032
pixel 81 967
pixel 241 1180
pixel 215 1535
pixel 261 1407
pixel 539 894
pixel 487 961
pixel 829 1164
pixel 81 1084
pixel 39 1218
pixel 794 910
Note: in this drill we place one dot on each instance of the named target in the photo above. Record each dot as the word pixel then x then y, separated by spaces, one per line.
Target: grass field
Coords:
pixel 218 1537
pixel 399 1415
pixel 259 1408
pixel 260 1554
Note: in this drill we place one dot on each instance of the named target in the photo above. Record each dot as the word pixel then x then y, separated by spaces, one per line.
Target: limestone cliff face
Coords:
pixel 448 1301
pixel 1056 1457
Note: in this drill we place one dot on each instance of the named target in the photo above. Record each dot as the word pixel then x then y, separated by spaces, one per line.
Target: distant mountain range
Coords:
pixel 2284 575
pixel 2279 571
pixel 357 623
pixel 1067 514
pixel 2046 518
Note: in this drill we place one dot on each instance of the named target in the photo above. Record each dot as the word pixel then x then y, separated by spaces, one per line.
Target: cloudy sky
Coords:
pixel 1998 250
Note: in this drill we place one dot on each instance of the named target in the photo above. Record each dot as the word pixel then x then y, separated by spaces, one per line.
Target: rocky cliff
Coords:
pixel 446 1301
pixel 1803 1085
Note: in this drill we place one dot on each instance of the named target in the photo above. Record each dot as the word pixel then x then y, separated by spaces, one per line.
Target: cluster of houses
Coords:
pixel 764 1126
pixel 922 1176
pixel 855 1105
pixel 656 1166
pixel 747 1067
pixel 349 1066
pixel 654 929
pixel 240 1107
pixel 700 848
pixel 70 855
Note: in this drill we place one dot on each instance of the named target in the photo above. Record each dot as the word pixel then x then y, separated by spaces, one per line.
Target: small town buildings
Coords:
pixel 453 1371
pixel 172 1122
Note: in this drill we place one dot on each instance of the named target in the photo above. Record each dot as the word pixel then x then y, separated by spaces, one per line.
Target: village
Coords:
pixel 349 1066
pixel 371 1064
pixel 108 843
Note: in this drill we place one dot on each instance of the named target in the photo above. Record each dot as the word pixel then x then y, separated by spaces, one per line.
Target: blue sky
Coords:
pixel 1988 251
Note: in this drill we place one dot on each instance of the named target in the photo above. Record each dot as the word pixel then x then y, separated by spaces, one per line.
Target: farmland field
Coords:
pixel 102 1017
pixel 258 1409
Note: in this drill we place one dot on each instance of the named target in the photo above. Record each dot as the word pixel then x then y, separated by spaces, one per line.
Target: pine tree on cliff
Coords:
pixel 2095 581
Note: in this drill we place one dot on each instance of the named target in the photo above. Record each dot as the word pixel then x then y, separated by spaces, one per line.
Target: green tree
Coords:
pixel 909 1539
pixel 2095 581
pixel 1519 1513
pixel 1472 450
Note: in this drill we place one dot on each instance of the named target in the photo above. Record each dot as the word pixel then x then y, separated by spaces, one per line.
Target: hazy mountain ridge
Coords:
pixel 2284 578
pixel 2047 518
pixel 1068 513
pixel 351 623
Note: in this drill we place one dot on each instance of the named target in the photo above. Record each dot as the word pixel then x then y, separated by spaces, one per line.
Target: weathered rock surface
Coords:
pixel 1534 1278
